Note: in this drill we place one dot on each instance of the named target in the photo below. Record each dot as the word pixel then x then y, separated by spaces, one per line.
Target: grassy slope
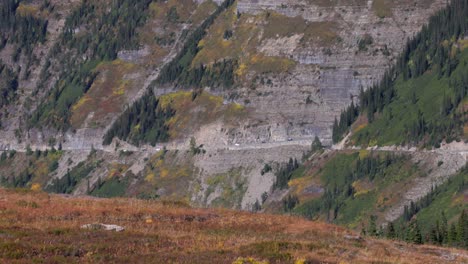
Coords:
pixel 37 227
pixel 371 197
pixel 106 96
pixel 244 43
pixel 209 109
pixel 451 200
pixel 39 167
pixel 389 127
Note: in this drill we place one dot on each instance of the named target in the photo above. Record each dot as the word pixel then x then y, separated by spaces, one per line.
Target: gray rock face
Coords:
pixel 436 175
pixel 331 76
pixel 248 163
pixel 133 55
pixel 297 105
pixel 300 103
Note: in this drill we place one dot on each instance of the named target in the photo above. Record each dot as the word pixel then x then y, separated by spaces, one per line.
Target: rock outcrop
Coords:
pixel 363 40
pixel 305 101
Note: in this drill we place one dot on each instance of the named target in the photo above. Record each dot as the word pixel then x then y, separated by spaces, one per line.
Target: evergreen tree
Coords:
pixel 390 232
pixel 434 235
pixel 316 144
pixel 284 174
pixel 144 121
pixel 414 233
pixel 256 207
pixel 452 235
pixel 462 230
pixel 429 49
pixel 180 68
pixel 444 228
pixel 347 117
pixel 372 229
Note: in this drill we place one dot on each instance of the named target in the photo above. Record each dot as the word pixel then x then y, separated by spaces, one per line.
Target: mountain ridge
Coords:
pixel 277 74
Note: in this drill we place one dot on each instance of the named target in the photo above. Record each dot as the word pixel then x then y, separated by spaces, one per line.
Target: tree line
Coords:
pixel 179 69
pixel 18 181
pixel 347 118
pixel 219 74
pixel 284 173
pixel 339 187
pixel 109 31
pixel 91 34
pixel 438 231
pixel 25 30
pixel 431 48
pixel 70 180
pixel 143 122
pixel 425 50
pixel 8 84
pixel 24 177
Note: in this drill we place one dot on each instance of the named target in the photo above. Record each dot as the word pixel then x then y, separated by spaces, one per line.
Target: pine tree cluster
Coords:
pixel 439 231
pixel 432 49
pixel 338 191
pixel 143 122
pixel 89 37
pixel 25 30
pixel 8 84
pixel 284 174
pixel 179 69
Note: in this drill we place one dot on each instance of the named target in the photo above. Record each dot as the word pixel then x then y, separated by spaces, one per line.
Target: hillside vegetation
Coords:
pixel 38 227
pixel 439 218
pixel 91 35
pixel 205 103
pixel 22 26
pixel 358 188
pixel 422 99
pixel 348 187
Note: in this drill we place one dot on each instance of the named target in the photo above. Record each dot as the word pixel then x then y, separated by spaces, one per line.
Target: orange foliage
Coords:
pixel 39 227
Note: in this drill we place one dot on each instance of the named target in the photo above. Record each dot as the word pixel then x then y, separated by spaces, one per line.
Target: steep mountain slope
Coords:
pixel 440 215
pixel 319 30
pixel 93 58
pixel 358 187
pixel 39 227
pixel 201 102
pixel 419 102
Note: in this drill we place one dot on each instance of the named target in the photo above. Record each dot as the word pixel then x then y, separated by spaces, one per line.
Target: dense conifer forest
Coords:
pixel 67 183
pixel 91 35
pixel 431 220
pixel 25 31
pixel 8 84
pixel 339 177
pixel 179 70
pixel 347 118
pixel 438 218
pixel 143 122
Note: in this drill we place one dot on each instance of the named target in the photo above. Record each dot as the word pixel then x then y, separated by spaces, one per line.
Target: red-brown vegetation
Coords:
pixel 36 227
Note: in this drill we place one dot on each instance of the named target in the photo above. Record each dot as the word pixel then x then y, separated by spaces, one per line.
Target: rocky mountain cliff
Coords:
pixel 288 68
pixel 343 46
pixel 363 39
